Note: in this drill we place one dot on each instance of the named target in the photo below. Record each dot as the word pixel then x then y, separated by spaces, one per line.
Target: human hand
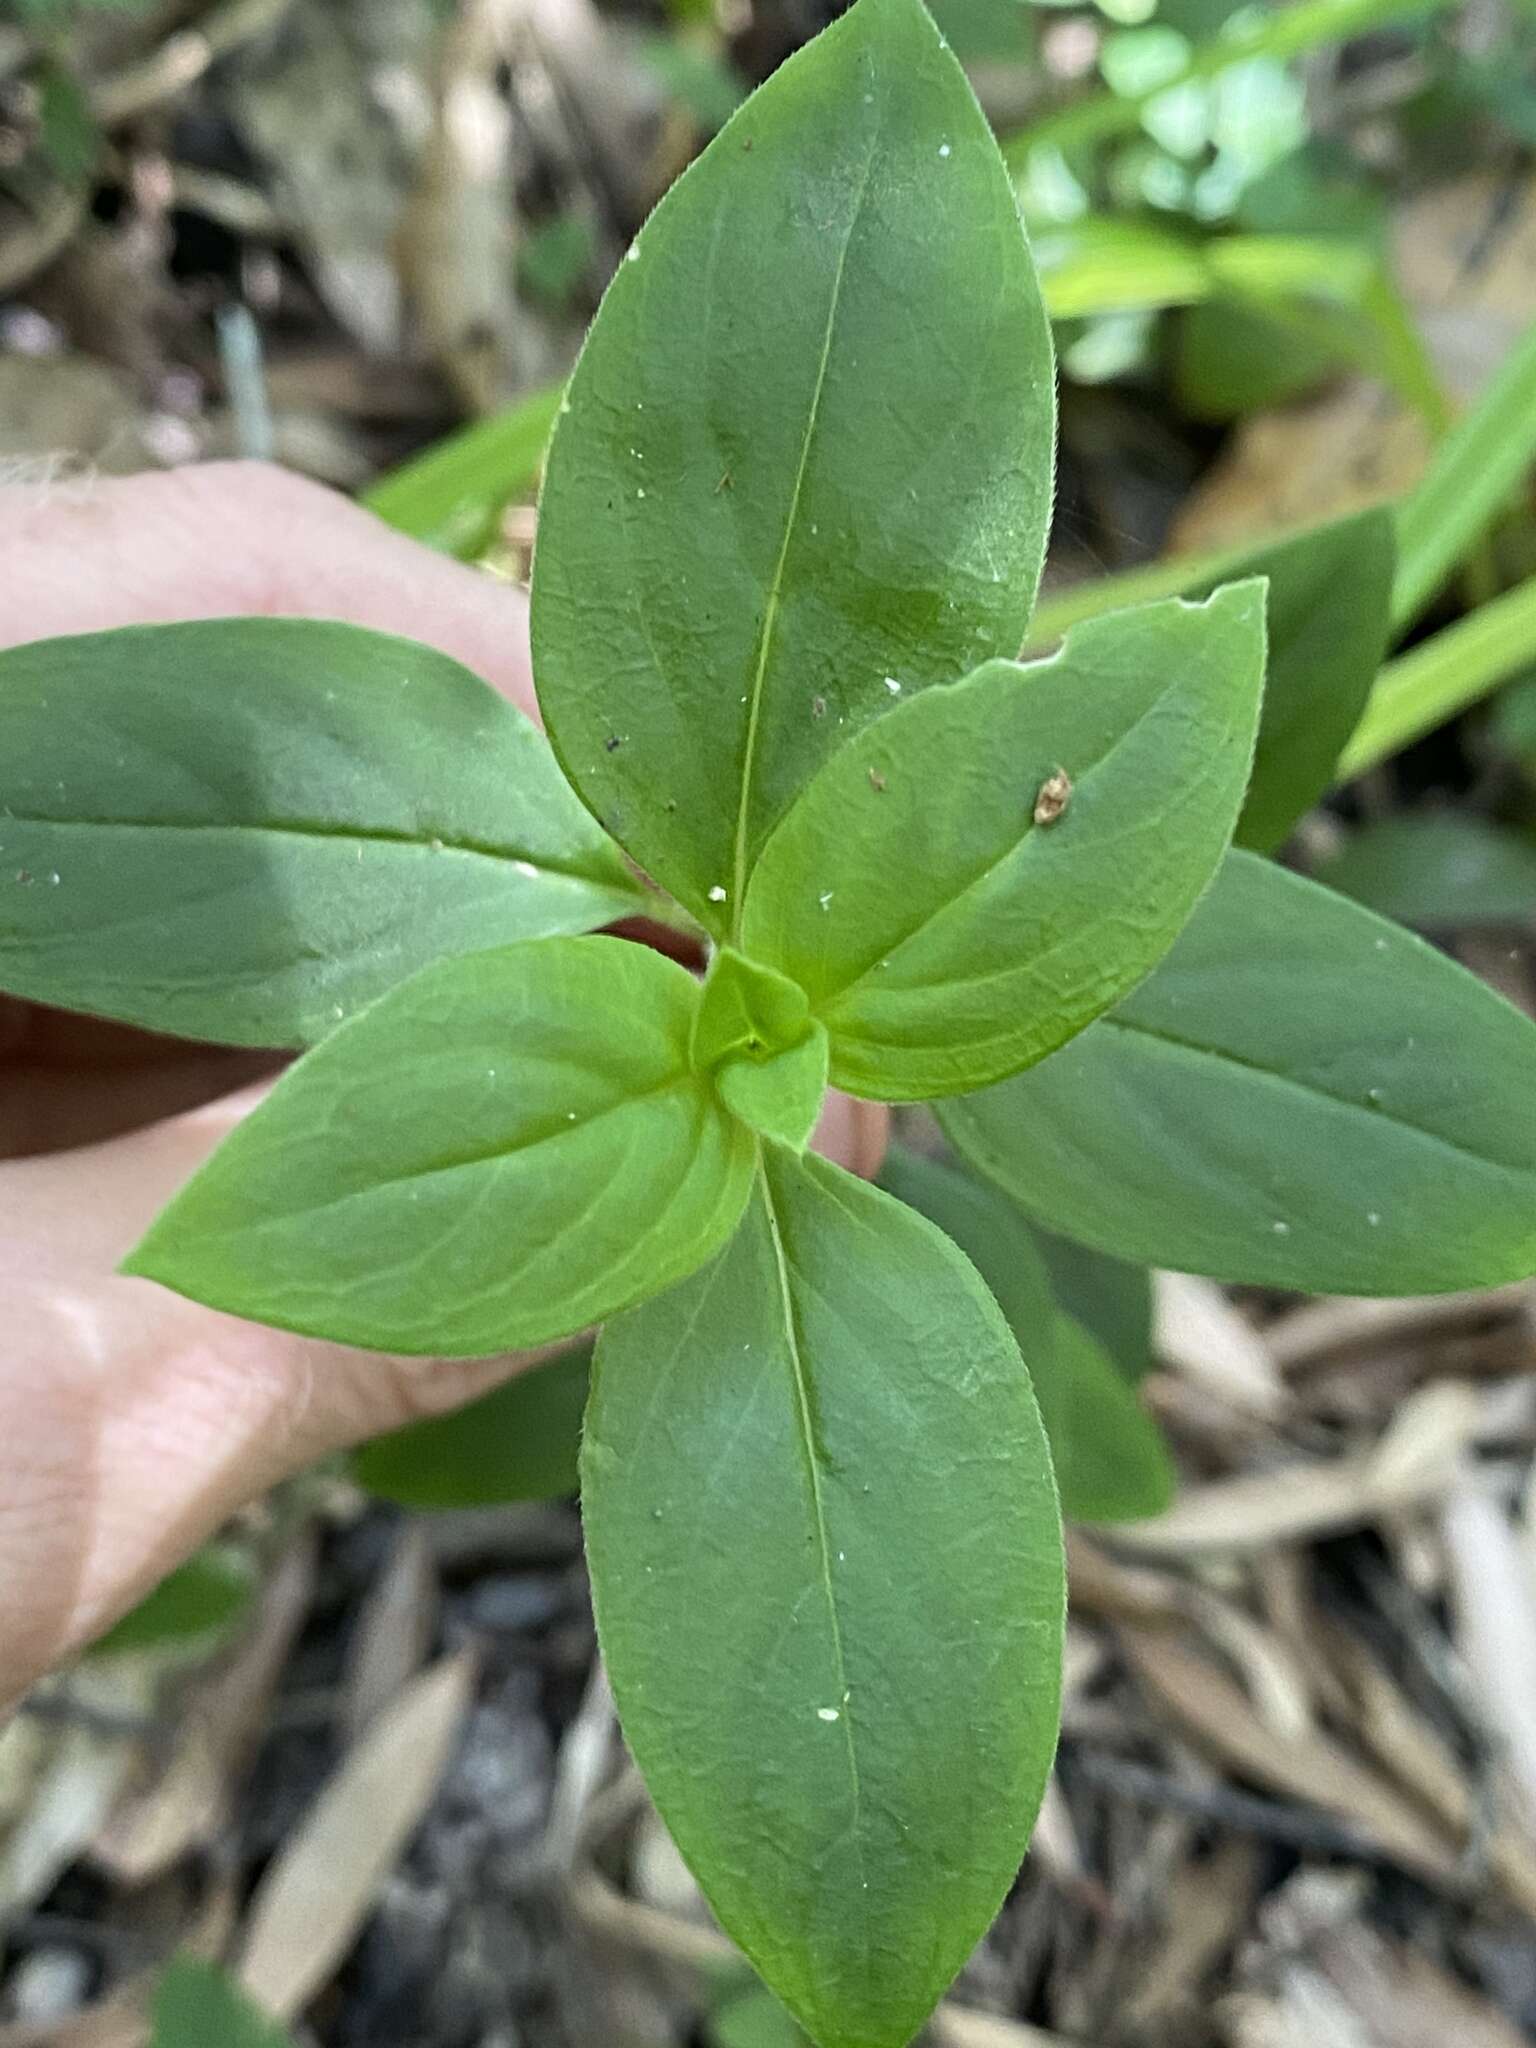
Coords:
pixel 134 1422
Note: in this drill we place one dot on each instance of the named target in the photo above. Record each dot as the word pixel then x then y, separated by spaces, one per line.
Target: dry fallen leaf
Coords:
pixel 1200 1334
pixel 60 1775
pixel 313 1901
pixel 393 1634
pixel 1317 1330
pixel 1309 1767
pixel 1207 1907
pixel 182 1807
pixel 1495 1625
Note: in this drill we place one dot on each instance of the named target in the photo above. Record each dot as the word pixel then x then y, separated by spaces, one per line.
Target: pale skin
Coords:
pixel 133 1423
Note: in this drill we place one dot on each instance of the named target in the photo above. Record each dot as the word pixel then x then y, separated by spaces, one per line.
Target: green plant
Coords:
pixel 790 536
pixel 197 2005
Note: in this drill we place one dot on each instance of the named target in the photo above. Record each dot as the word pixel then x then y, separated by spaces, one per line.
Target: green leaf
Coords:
pixel 768 1055
pixel 1233 357
pixel 198 2006
pixel 1437 871
pixel 747 1008
pixel 1330 590
pixel 452 496
pixel 1112 1300
pixel 1327 624
pixel 246 829
pixel 202 1598
pixel 1280 33
pixel 946 938
pixel 779 1097
pixel 1100 264
pixel 754 2018
pixel 1512 724
pixel 1302 1096
pixel 518 1443
pixel 510 1147
pixel 1110 1460
pixel 827 1565
pixel 808 449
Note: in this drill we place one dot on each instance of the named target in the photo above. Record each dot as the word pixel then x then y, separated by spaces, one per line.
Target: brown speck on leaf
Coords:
pixel 876 779
pixel 612 744
pixel 23 875
pixel 818 707
pixel 1052 798
pixel 726 483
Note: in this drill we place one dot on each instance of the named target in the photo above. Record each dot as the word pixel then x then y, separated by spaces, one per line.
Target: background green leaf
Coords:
pixel 826 1559
pixel 1302 1096
pixel 519 1442
pixel 1330 594
pixel 1111 1462
pixel 200 1599
pixel 1437 871
pixel 504 1150
pixel 944 937
pixel 807 460
pixel 1327 624
pixel 1110 1298
pixel 245 829
pixel 754 2018
pixel 197 2005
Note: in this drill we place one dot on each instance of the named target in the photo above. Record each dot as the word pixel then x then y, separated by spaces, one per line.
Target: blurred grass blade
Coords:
pixel 1441 676
pixel 1100 265
pixel 453 496
pixel 1475 472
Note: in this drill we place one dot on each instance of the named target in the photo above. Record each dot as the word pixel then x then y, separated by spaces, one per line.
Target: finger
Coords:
pixel 229 539
pixel 136 1422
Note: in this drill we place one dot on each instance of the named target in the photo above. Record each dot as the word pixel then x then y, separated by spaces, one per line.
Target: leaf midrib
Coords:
pixel 776 586
pixel 487 1154
pixel 316 828
pixel 1192 1048
pixel 807 1433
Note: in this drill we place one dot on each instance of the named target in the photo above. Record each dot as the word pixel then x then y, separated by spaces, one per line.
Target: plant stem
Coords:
pixel 1441 676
